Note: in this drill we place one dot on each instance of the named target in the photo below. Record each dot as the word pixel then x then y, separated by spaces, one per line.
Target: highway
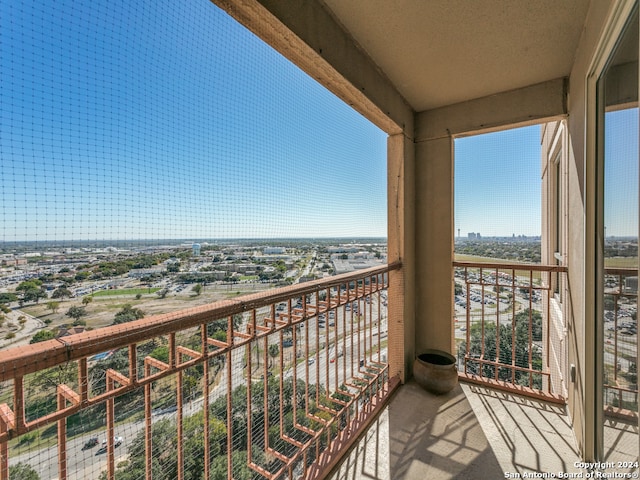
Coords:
pixel 88 463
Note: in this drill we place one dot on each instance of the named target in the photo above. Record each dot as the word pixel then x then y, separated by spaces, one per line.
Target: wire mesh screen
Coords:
pixel 168 120
pixel 159 164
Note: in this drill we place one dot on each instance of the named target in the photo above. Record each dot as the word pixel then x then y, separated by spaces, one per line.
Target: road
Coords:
pixel 83 464
pixel 24 334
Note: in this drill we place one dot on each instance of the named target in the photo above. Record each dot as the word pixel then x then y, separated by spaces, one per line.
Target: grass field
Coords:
pixel 621 262
pixel 612 262
pixel 124 291
pixel 458 257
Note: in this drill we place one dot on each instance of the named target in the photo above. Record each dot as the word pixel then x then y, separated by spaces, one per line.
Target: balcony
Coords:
pixel 507 418
pixel 281 378
pixel 296 383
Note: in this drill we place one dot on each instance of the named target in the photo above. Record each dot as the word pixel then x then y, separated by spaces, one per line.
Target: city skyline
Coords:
pixel 497 183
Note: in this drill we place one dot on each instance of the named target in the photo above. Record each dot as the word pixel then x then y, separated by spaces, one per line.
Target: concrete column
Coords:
pixel 434 244
pixel 401 214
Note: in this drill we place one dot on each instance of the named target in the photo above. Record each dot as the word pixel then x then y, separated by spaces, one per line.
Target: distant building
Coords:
pixel 631 284
pixel 356 261
pixel 274 250
pixel 343 249
pixel 64 331
pixel 146 272
pixel 195 249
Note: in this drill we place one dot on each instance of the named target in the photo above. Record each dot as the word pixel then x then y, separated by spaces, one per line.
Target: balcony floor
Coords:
pixel 472 432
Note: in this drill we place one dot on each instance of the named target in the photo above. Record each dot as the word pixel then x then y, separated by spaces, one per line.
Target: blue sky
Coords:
pixel 498 183
pixel 163 119
pixel 498 180
pixel 621 173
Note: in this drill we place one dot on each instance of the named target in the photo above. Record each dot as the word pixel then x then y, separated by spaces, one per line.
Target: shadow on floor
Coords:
pixel 469 433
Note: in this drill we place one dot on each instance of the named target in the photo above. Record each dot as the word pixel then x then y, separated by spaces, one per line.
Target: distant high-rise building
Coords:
pixel 195 249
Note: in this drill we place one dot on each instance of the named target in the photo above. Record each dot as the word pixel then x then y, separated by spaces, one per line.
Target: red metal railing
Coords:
pixel 620 337
pixel 262 386
pixel 502 326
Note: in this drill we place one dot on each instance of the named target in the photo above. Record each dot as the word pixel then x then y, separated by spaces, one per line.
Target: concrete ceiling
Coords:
pixel 442 52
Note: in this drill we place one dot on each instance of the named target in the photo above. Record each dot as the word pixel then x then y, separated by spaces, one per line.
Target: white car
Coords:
pixel 117 441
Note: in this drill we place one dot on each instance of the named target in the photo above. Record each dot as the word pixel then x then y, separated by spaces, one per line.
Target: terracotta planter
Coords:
pixel 436 371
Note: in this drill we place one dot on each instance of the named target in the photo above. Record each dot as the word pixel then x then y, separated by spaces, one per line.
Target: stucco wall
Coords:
pixel 580 329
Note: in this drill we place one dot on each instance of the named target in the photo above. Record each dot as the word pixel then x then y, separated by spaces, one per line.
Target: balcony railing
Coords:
pixel 262 386
pixel 620 337
pixel 506 334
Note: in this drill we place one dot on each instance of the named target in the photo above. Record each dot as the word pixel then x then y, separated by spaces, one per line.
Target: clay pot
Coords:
pixel 436 371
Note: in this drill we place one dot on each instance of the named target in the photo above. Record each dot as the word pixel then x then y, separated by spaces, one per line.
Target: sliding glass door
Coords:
pixel 617 252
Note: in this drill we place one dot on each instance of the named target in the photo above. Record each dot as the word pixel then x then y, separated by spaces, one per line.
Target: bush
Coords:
pixel 22 471
pixel 41 336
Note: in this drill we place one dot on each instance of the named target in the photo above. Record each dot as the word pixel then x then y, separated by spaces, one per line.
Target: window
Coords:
pixel 616 251
pixel 556 234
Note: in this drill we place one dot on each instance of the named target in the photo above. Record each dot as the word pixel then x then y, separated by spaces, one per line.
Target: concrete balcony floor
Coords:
pixel 473 432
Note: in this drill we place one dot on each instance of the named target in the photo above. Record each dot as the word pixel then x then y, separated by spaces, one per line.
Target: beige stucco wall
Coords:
pixel 434 208
pixel 580 308
pixel 434 244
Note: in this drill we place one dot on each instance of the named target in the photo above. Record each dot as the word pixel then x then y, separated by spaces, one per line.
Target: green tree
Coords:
pixel 76 312
pixel 50 378
pixel 61 292
pixel 82 275
pixel 22 471
pixel 274 350
pixel 161 353
pixel 502 350
pixel 28 285
pixel 197 288
pixel 173 267
pixel 163 452
pixel 128 314
pixel 609 302
pixel 7 297
pixel 241 470
pixel 42 335
pixel 522 322
pixel 86 300
pixel 33 295
pixel 53 306
pixel 223 324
